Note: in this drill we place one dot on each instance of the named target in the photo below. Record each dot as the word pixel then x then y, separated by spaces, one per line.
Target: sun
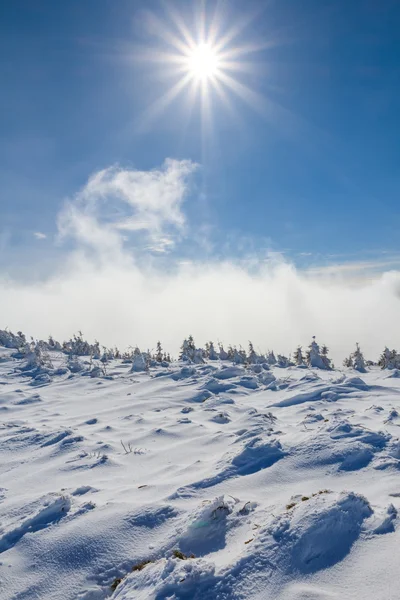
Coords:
pixel 203 62
pixel 207 63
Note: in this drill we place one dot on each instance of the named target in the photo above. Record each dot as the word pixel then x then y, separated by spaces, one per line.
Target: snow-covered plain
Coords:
pixel 283 483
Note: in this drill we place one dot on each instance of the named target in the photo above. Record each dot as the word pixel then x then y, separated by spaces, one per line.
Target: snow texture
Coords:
pixel 203 479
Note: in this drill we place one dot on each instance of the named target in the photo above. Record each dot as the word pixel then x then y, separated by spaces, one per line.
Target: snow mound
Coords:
pixel 168 578
pixel 315 533
pixel 323 532
pixel 229 372
pixel 207 529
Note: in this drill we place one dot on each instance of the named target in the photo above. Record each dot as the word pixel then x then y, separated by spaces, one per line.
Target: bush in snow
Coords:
pixel 10 340
pixel 77 346
pixel 53 344
pixel 271 360
pixel 316 358
pixel 74 364
pixel 37 359
pixel 283 361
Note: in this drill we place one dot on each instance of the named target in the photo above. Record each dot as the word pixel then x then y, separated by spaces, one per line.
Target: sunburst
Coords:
pixel 209 62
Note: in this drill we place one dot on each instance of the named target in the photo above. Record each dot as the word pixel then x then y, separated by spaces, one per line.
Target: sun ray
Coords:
pixel 162 103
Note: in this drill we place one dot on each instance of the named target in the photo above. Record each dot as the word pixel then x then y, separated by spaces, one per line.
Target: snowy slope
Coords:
pixel 283 483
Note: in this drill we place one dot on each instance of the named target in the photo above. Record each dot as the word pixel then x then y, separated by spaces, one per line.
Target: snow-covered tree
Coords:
pixel 212 354
pixel 198 356
pixel 316 358
pixel 271 360
pixel 298 357
pixel 223 355
pixel 356 360
pixel 348 362
pixel 283 361
pixel 159 353
pixel 140 361
pixel 231 352
pixel 389 359
pixel 53 344
pixel 252 355
pixel 187 349
pixel 239 357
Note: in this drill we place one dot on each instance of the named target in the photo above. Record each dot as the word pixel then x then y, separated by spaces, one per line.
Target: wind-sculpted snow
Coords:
pixel 196 481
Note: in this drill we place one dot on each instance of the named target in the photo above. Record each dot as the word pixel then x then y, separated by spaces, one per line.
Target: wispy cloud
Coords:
pixel 356 270
pixel 117 200
pixel 39 235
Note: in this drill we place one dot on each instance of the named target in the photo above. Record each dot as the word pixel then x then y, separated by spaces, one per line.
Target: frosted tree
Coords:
pixel 10 340
pixel 298 357
pixel 159 353
pixel 191 344
pixel 53 344
pixel 198 356
pixel 212 354
pixel 358 360
pixel 223 355
pixel 271 360
pixel 37 358
pixel 105 356
pixel 187 349
pixel 95 350
pixel 316 358
pixel 389 359
pixel 252 355
pixel 283 361
pixel 348 362
pixel 139 362
pixel 239 357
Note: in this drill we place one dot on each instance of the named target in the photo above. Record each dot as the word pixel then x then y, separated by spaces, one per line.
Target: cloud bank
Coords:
pixel 107 288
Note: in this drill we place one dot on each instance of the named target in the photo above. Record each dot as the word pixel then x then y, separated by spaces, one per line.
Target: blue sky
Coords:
pixel 284 199
pixel 315 170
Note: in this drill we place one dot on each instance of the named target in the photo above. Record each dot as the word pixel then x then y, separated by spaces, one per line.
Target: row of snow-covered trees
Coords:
pixel 314 356
pixel 77 346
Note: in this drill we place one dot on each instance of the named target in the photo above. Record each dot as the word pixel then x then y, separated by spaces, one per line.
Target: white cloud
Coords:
pixel 118 200
pixel 122 300
pixel 277 307
pixel 39 235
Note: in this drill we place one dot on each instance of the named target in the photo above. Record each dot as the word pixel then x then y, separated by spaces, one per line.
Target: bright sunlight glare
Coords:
pixel 208 61
pixel 203 62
